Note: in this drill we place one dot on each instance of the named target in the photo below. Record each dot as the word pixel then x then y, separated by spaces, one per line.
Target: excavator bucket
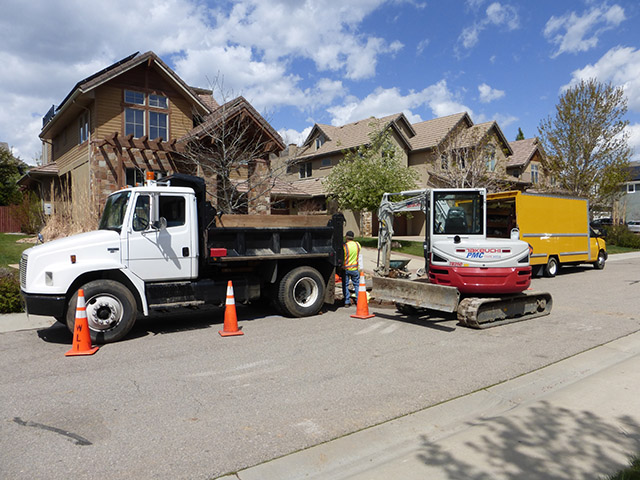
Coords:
pixel 416 293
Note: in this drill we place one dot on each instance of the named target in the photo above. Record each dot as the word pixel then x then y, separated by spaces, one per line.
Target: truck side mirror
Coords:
pixel 160 224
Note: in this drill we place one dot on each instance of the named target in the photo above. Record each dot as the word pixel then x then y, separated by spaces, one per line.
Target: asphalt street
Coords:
pixel 176 400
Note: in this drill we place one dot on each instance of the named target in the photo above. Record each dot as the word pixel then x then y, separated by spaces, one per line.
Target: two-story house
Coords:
pixel 430 147
pixel 134 116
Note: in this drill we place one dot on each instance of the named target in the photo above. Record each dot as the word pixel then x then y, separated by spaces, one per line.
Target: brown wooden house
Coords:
pixel 134 116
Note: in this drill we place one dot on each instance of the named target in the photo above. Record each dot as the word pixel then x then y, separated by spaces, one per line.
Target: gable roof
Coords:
pixel 431 133
pixel 523 151
pixel 112 71
pixel 226 112
pixel 351 135
pixel 473 135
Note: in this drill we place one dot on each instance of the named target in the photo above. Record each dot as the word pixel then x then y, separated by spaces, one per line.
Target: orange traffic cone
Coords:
pixel 362 308
pixel 230 317
pixel 81 335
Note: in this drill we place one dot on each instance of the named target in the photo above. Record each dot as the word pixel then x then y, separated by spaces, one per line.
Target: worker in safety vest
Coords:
pixel 352 266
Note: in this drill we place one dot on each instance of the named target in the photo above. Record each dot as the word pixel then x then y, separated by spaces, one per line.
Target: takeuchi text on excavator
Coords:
pixel 480 278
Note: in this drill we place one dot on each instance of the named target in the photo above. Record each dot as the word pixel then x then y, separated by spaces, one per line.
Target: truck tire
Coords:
pixel 551 268
pixel 602 258
pixel 301 292
pixel 111 310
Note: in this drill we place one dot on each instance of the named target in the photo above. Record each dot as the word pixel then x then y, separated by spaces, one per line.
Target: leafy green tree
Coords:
pixel 11 169
pixel 586 141
pixel 365 173
pixel 520 135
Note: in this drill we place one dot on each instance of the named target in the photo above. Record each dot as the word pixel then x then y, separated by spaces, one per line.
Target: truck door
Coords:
pixel 156 253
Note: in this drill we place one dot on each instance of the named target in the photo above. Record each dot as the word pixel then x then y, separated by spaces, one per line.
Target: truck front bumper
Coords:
pixel 47 305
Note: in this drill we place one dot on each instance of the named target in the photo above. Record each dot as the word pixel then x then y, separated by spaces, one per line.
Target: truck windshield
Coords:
pixel 458 213
pixel 114 211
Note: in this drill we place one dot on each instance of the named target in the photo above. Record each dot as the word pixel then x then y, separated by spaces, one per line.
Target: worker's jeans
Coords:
pixel 354 276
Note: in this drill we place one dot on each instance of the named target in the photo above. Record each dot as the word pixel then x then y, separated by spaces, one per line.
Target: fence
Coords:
pixel 8 220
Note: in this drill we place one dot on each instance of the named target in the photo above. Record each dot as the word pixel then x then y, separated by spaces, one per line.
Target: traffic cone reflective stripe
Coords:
pixel 81 335
pixel 362 308
pixel 230 317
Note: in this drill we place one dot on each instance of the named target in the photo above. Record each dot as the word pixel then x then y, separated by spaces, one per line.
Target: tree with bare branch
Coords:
pixel 468 158
pixel 231 149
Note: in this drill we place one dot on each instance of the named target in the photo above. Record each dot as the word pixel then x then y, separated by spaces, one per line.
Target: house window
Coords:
pixel 136 98
pixel 158 125
pixel 147 120
pixel 534 173
pixel 83 128
pixel 444 162
pixel 631 188
pixel 158 101
pixel 306 170
pixel 134 176
pixel 134 122
pixel 490 157
pixel 326 162
pixel 319 142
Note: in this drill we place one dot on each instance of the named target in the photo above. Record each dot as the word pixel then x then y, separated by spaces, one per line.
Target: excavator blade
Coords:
pixel 490 312
pixel 417 293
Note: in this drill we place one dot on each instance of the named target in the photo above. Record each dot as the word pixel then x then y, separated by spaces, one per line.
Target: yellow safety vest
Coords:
pixel 351 255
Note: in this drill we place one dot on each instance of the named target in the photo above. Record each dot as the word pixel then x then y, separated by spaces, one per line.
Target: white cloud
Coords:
pixel 489 94
pixel 290 135
pixel 634 141
pixel 252 44
pixel 496 14
pixel 438 98
pixel 574 33
pixel 621 67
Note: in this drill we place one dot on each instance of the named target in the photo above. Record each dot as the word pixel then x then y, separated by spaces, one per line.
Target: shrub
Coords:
pixel 10 300
pixel 621 236
pixel 29 213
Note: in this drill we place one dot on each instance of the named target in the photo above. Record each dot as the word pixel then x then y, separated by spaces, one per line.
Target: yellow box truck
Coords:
pixel 556 227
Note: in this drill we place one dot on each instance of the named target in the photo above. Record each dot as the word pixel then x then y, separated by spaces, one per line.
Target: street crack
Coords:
pixel 78 440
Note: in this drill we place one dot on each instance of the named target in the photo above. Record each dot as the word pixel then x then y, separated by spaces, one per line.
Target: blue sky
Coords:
pixel 305 62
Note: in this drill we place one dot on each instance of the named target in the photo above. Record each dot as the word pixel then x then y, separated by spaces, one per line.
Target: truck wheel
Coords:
pixel 111 310
pixel 551 269
pixel 599 264
pixel 301 292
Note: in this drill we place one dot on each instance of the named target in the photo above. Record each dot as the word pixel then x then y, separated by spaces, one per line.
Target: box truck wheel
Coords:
pixel 301 292
pixel 111 310
pixel 602 258
pixel 551 268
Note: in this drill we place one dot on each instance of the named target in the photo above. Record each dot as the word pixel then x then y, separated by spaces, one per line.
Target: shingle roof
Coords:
pixel 523 150
pixel 431 132
pixel 228 111
pixel 347 136
pixel 305 188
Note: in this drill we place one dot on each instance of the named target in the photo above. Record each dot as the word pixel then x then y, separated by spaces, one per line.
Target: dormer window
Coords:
pixel 319 141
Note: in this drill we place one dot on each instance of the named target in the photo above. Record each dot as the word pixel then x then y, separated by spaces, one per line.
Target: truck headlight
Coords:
pixel 48 278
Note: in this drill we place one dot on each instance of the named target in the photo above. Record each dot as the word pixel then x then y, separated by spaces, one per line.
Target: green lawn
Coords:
pixel 10 251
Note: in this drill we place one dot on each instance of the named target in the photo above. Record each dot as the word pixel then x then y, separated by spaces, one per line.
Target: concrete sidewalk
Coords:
pixel 13 322
pixel 575 419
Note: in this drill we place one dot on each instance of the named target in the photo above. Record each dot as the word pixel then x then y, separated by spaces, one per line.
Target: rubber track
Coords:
pixel 482 313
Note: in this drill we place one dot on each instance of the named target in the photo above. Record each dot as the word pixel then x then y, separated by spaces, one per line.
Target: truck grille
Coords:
pixel 23 270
